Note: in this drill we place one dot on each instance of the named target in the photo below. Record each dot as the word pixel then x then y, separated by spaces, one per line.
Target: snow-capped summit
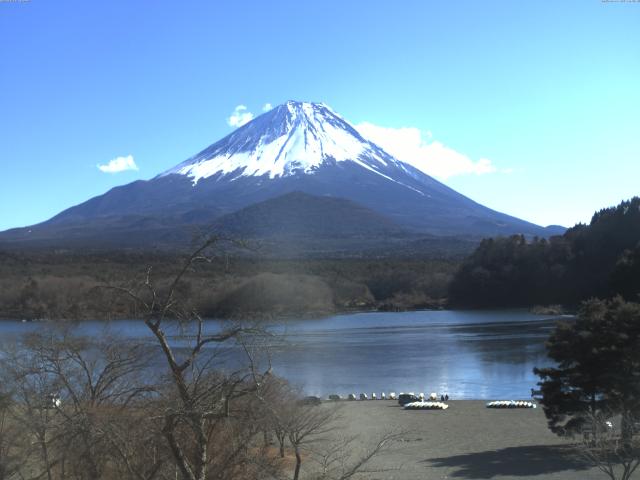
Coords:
pixel 298 169
pixel 292 138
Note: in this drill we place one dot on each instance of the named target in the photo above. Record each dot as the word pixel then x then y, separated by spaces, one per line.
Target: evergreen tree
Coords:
pixel 601 259
pixel 598 367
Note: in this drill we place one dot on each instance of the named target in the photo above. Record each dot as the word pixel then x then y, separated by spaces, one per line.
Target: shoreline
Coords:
pixel 467 440
pixel 303 316
pixel 387 402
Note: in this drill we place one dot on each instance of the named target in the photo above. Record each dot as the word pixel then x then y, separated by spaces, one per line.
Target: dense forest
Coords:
pixel 36 285
pixel 601 259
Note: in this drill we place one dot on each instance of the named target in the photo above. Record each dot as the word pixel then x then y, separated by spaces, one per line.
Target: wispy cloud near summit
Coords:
pixel 239 117
pixel 412 146
pixel 409 144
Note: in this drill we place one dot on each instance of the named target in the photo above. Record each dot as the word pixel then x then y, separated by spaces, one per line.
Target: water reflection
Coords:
pixel 466 354
pixel 483 355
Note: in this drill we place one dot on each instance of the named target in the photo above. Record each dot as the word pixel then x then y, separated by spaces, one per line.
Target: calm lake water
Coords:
pixel 467 354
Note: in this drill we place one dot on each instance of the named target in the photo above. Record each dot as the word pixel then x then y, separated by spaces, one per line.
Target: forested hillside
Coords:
pixel 596 260
pixel 63 285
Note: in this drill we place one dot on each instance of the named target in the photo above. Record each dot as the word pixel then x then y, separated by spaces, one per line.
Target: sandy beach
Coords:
pixel 467 441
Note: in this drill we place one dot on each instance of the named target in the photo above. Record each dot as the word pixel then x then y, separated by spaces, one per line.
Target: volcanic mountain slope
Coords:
pixel 298 214
pixel 296 147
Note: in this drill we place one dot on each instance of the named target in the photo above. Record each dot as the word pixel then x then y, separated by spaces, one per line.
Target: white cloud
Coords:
pixel 266 107
pixel 119 164
pixel 239 117
pixel 418 149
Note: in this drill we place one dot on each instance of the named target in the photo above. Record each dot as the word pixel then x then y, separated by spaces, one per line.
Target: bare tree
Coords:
pixel 10 441
pixel 30 387
pixel 136 445
pixel 276 398
pixel 336 459
pixel 313 431
pixel 614 453
pixel 305 425
pixel 198 406
pixel 73 395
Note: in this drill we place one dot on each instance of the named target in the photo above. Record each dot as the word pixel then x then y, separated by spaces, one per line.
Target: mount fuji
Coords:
pixel 330 181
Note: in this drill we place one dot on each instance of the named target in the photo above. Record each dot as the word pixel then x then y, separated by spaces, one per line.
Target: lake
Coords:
pixel 467 354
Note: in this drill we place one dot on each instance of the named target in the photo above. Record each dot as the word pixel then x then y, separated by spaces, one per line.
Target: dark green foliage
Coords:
pixel 625 277
pixel 512 272
pixel 598 367
pixel 601 259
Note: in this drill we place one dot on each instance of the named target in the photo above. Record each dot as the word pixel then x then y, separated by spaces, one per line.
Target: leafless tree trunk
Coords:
pixel 95 409
pixel 198 405
pixel 72 394
pixel 307 424
pixel 336 460
pixel 29 385
pixel 10 441
pixel 616 454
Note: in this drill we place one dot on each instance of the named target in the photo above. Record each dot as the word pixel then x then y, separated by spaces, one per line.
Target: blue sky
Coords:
pixel 546 92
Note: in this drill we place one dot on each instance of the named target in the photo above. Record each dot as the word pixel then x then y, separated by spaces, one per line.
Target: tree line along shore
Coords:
pixel 601 259
pixel 77 407
pixel 36 285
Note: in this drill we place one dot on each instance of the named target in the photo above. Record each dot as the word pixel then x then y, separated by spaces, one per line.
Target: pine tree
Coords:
pixel 598 367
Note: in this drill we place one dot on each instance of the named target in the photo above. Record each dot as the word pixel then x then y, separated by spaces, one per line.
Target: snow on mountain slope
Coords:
pixel 293 138
pixel 296 147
